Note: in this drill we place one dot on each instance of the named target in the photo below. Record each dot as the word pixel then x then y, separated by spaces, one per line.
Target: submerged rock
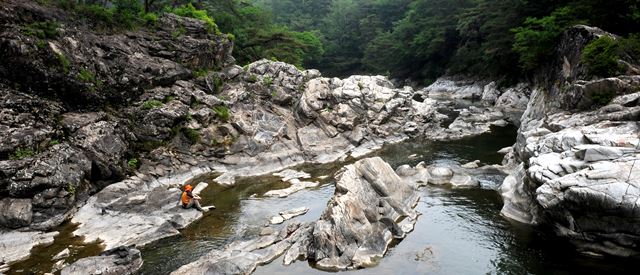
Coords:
pixel 242 257
pixel 118 261
pixel 289 214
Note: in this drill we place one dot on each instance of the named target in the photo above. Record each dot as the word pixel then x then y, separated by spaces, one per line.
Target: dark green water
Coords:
pixel 459 231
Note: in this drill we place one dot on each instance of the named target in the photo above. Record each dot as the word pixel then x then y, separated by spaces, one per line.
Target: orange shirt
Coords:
pixel 186 197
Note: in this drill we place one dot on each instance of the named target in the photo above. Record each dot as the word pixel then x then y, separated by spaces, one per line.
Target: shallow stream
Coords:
pixel 458 232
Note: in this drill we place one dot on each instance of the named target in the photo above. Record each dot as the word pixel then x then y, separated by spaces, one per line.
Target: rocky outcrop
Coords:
pixel 372 207
pixel 456 176
pixel 118 261
pixel 575 155
pixel 242 257
pixel 147 210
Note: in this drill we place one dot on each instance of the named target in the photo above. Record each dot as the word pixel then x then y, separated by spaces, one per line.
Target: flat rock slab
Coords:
pixel 135 213
pixel 16 245
pixel 242 257
pixel 296 185
pixel 119 261
pixel 289 214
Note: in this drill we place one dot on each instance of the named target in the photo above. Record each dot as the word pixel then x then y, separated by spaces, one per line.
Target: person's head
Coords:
pixel 188 187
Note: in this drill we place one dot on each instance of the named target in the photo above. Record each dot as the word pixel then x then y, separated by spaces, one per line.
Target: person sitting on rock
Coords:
pixel 189 199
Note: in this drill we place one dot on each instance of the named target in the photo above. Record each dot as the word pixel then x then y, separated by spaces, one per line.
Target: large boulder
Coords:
pixel 372 207
pixel 15 213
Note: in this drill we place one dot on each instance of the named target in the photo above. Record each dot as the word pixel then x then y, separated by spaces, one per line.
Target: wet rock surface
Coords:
pixel 242 257
pixel 117 261
pixel 16 245
pixel 372 206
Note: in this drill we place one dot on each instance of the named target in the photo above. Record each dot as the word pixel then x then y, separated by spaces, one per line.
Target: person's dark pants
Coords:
pixel 193 203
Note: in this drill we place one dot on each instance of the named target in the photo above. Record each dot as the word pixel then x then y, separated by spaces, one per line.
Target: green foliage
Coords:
pixel 189 10
pixel 601 57
pixel 252 79
pixel 222 112
pixel 133 163
pixel 191 134
pixel 64 63
pixel 602 98
pixel 267 81
pixel 22 153
pixel 86 76
pixel 71 189
pixel 168 99
pixel 150 18
pixel 200 73
pixel 218 83
pixel 42 29
pixel 631 47
pixel 119 14
pixel 179 32
pixel 151 104
pixel 54 142
pixel 535 40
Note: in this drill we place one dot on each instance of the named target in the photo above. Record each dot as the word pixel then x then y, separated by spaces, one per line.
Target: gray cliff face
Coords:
pixel 573 162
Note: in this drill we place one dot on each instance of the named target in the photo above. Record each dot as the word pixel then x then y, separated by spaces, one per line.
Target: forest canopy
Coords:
pixel 415 39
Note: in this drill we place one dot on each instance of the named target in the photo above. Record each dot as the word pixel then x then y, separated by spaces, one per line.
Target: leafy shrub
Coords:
pixel 42 30
pixel 86 76
pixel 133 163
pixel 631 46
pixel 190 11
pixel 151 104
pixel 267 81
pixel 200 73
pixel 22 153
pixel 192 134
pixel 535 40
pixel 602 98
pixel 222 112
pixel 601 57
pixel 150 18
pixel 178 32
pixel 71 189
pixel 64 63
pixel 252 79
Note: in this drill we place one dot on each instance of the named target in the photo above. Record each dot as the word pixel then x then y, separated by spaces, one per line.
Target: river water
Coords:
pixel 458 232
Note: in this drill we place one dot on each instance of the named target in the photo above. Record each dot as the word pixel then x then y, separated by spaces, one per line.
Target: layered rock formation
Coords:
pixel 372 206
pixel 575 160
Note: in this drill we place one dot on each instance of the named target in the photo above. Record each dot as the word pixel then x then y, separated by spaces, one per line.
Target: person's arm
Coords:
pixel 193 196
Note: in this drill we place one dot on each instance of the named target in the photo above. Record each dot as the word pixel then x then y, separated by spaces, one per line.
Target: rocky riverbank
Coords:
pixel 574 160
pixel 102 126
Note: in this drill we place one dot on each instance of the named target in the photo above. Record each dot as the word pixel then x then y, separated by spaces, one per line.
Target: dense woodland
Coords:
pixel 416 39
